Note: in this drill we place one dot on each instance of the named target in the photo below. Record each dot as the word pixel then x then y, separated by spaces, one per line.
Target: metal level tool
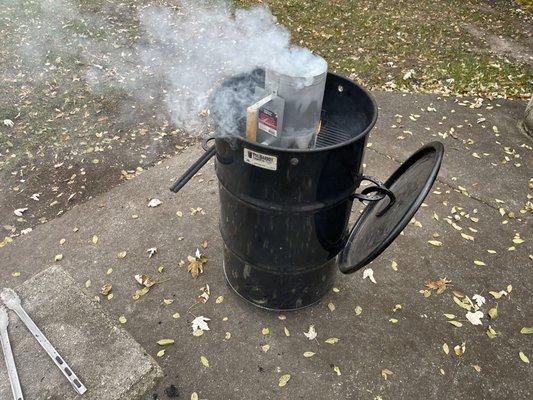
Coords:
pixel 8 355
pixel 12 301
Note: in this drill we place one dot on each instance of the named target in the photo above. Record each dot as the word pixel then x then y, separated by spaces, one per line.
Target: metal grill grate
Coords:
pixel 331 134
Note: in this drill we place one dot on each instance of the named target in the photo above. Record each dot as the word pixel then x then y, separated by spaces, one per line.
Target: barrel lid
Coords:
pixel 377 227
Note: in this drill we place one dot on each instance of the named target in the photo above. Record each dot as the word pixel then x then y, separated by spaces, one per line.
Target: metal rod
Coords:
pixel 12 301
pixel 8 356
pixel 193 169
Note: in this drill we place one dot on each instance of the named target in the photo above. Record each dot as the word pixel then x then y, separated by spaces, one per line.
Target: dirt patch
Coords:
pixel 503 46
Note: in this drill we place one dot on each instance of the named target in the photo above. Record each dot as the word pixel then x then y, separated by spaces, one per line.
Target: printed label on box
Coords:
pixel 260 160
pixel 268 121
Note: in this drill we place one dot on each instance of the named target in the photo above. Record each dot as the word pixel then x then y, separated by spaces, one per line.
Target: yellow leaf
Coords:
pixel 523 357
pixel 385 373
pixel 479 263
pixel 219 299
pixel 194 396
pixel 332 340
pixel 308 354
pixel 435 243
pixel 198 332
pixel 168 301
pixel 284 379
pixel 282 317
pixel 227 336
pixel 331 307
pixel 527 330
pixel 393 320
pixel 394 266
pixel 265 331
pixel 358 310
pixel 493 313
pixel 122 319
pixel 337 370
pixel 287 333
pixel 165 342
pixel 121 254
pixel 88 283
pixel 161 353
pixel 58 257
pixel 176 315
pixel 265 348
pixel 445 348
pixel 94 239
pixel 455 323
pixel 204 361
pixel 467 237
pixel 449 316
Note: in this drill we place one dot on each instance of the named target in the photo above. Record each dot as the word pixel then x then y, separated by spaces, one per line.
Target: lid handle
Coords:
pixel 378 188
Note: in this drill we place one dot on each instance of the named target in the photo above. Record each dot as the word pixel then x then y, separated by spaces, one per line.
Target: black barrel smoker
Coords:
pixel 285 212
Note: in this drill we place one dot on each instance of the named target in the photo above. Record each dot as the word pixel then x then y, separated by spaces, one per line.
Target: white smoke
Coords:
pixel 194 48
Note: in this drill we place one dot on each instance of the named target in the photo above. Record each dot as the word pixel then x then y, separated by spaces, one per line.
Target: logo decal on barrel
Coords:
pixel 260 160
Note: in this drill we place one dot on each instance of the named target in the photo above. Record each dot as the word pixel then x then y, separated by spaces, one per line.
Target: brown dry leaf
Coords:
pixel 439 285
pixel 385 373
pixel 206 292
pixel 204 244
pixel 145 280
pixel 196 264
pixel 106 289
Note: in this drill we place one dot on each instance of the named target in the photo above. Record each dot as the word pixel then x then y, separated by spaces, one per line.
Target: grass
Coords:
pixel 377 42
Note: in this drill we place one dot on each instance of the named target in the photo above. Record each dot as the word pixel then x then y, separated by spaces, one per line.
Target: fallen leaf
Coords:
pixel 332 340
pixel 309 354
pixel 194 396
pixel 455 323
pixel 311 333
pixel 206 292
pixel 88 283
pixel 121 254
pixel 475 317
pixel 480 300
pixel 165 342
pixel 19 211
pixel 94 239
pixel 265 348
pixel 58 257
pixel 122 319
pixel 161 353
pixel 369 273
pixel 337 370
pixel 204 361
pixel 176 315
pixel 283 380
pixel 493 313
pixel 436 243
pixel 287 333
pixel 331 307
pixel 479 263
pixel 265 331
pixel 151 251
pixel 385 373
pixel 523 357
pixel 445 348
pixel 527 330
pixel 168 302
pixel 106 289
pixel 200 323
pixel 145 280
pixel 358 310
pixel 449 316
pixel 154 203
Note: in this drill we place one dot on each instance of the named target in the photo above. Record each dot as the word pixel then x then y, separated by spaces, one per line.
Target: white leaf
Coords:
pixel 474 317
pixel 198 255
pixel 35 196
pixel 369 273
pixel 480 300
pixel 311 333
pixel 409 74
pixel 200 323
pixel 26 231
pixel 19 211
pixel 154 203
pixel 8 122
pixel 151 251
